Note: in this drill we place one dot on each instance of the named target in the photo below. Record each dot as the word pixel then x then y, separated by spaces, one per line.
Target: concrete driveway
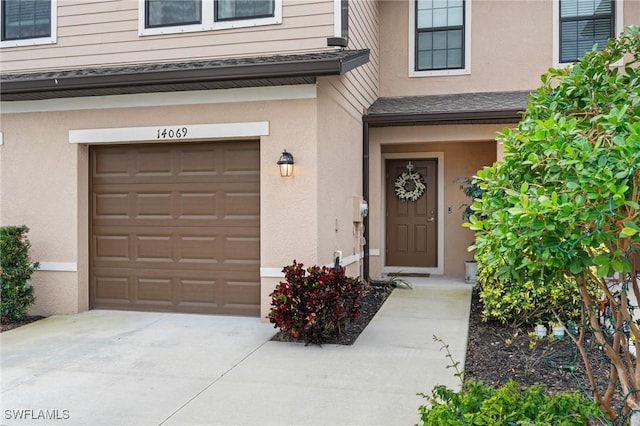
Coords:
pixel 134 368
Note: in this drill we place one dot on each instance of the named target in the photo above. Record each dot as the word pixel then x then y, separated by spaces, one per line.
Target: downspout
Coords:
pixel 365 195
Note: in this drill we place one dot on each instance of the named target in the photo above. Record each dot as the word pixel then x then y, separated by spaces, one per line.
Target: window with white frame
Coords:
pixel 439 35
pixel 174 16
pixel 27 22
pixel 583 24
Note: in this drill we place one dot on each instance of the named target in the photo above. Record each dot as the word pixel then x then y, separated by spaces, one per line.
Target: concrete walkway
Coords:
pixel 131 368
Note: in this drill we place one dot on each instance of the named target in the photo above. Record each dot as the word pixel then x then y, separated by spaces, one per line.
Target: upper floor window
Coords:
pixel 439 37
pixel 26 22
pixel 439 34
pixel 583 24
pixel 176 16
pixel 243 9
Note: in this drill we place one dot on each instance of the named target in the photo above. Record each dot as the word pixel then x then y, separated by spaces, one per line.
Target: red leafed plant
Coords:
pixel 316 303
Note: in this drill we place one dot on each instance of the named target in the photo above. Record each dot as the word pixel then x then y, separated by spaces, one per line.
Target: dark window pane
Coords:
pixel 440 40
pixel 24 19
pixel 244 9
pixel 440 59
pixel 425 60
pixel 583 24
pixel 440 34
pixel 454 40
pixel 454 58
pixel 425 41
pixel 166 13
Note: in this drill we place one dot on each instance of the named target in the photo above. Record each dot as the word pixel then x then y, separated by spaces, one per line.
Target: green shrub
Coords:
pixel 511 404
pixel 524 302
pixel 15 271
pixel 315 304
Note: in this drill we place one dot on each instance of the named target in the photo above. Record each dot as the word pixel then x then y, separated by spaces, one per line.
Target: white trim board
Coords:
pixel 170 132
pixel 193 97
pixel 271 273
pixel 58 266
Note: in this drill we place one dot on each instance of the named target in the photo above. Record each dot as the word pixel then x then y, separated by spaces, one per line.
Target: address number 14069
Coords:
pixel 172 133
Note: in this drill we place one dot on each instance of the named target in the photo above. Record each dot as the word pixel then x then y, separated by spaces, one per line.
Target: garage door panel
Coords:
pixel 154 290
pixel 197 205
pixel 238 161
pixel 197 162
pixel 114 205
pixel 114 163
pixel 154 248
pixel 113 288
pixel 154 162
pixel 180 291
pixel 198 249
pixel 241 250
pixel 156 205
pixel 112 247
pixel 178 229
pixel 126 244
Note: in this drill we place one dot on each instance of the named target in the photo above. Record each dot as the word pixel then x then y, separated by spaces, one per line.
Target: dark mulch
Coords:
pixel 371 301
pixel 8 324
pixel 553 363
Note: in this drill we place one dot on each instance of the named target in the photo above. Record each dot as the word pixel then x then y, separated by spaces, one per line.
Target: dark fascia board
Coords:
pixel 383 120
pixel 298 66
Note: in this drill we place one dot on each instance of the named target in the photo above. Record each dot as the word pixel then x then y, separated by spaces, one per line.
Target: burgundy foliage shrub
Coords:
pixel 316 303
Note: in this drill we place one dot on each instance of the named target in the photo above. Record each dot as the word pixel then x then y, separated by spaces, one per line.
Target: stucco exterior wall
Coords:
pixel 45 184
pixel 464 149
pixel 340 177
pixel 512 44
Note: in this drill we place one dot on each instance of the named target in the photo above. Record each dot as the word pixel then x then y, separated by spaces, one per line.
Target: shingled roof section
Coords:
pixel 192 75
pixel 489 107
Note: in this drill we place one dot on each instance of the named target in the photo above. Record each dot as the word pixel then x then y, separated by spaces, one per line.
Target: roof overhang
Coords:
pixel 472 108
pixel 213 74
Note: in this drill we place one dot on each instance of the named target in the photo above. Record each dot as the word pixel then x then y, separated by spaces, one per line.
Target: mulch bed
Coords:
pixel 552 362
pixel 371 301
pixel 7 324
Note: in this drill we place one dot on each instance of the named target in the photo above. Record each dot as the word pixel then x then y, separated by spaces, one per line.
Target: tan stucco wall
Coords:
pixel 45 184
pixel 511 46
pixel 506 53
pixel 465 149
pixel 340 178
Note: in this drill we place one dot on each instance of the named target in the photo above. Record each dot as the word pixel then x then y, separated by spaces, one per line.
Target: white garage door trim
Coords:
pixel 166 133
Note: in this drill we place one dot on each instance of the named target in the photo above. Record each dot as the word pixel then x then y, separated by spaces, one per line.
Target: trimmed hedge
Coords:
pixel 16 268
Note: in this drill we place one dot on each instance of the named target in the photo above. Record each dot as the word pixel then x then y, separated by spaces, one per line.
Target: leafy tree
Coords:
pixel 563 205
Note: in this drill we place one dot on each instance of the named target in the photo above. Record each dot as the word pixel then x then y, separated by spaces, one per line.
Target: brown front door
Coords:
pixel 176 227
pixel 412 226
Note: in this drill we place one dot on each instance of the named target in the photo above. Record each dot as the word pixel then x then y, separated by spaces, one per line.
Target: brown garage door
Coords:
pixel 176 227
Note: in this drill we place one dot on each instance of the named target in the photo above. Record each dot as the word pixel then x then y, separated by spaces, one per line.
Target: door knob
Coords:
pixel 431 219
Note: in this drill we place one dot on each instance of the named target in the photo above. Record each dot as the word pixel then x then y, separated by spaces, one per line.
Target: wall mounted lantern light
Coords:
pixel 286 164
